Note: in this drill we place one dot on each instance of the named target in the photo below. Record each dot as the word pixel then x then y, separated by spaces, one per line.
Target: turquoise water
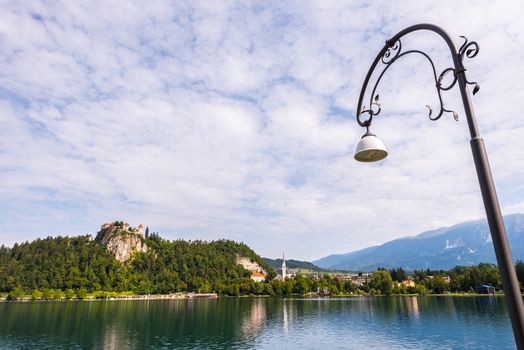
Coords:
pixel 259 323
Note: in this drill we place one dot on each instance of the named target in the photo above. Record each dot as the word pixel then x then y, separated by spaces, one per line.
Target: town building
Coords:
pixel 346 277
pixel 361 280
pixel 125 226
pixel 485 289
pixel 258 276
pixel 408 283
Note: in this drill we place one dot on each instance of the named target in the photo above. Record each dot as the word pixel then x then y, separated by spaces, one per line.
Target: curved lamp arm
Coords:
pixel 392 51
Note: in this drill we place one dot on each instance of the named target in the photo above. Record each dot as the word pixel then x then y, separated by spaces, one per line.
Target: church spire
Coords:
pixel 284 270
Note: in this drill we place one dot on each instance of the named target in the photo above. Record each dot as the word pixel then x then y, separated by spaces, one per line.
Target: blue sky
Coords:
pixel 222 119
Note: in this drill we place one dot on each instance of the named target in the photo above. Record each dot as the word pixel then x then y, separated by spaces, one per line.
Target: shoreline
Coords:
pixel 204 296
pixel 175 296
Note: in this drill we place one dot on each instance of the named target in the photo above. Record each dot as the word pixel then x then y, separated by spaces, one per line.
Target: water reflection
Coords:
pixel 254 319
pixel 413 306
pixel 285 317
pixel 262 323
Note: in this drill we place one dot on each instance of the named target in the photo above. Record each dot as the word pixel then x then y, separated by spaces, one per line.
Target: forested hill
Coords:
pixel 164 267
pixel 292 264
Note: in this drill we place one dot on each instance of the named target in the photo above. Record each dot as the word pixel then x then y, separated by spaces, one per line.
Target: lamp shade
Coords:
pixel 370 149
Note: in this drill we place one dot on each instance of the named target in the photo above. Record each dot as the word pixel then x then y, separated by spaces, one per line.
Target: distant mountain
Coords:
pixel 291 264
pixel 463 244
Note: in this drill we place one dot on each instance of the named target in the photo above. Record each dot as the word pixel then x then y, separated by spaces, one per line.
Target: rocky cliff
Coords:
pixel 250 265
pixel 122 243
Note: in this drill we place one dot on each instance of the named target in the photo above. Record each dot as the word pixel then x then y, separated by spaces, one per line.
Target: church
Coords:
pixel 284 269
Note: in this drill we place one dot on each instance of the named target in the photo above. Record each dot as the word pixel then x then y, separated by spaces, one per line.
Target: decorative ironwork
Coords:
pixel 393 51
pixel 469 49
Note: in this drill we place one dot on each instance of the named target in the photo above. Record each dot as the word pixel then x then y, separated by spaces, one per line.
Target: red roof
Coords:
pixel 258 274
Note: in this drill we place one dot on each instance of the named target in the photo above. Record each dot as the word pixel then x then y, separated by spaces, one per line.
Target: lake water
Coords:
pixel 259 323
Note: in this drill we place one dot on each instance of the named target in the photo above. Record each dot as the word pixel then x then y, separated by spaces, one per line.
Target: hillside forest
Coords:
pixel 75 266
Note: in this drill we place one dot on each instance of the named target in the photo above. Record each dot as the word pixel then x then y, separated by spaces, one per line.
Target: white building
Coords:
pixel 284 269
pixel 258 276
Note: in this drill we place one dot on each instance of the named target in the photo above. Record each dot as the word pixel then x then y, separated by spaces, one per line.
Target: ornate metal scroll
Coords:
pixel 394 51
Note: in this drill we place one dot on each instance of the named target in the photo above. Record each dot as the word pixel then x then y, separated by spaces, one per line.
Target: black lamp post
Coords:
pixel 370 149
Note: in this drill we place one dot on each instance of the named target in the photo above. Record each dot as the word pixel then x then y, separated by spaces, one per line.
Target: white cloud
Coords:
pixel 218 119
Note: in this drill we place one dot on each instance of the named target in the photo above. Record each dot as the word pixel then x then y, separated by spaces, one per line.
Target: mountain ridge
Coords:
pixel 291 264
pixel 466 243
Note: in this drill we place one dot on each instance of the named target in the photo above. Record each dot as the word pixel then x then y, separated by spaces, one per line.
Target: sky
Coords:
pixel 223 119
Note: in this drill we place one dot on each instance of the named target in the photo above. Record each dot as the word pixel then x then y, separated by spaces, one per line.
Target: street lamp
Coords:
pixel 371 149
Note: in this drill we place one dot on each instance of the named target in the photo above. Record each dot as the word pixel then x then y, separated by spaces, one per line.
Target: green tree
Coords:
pixel 301 285
pixel 57 294
pixel 15 294
pixel 36 294
pixel 74 278
pixel 438 284
pixel 269 289
pixel 81 294
pixel 419 275
pixel 101 295
pixel 144 287
pixel 47 294
pixel 421 289
pixel 489 274
pixel 350 287
pixel 288 287
pixel 333 290
pixel 382 281
pixel 398 274
pixel 277 286
pixel 69 293
pixel 519 269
